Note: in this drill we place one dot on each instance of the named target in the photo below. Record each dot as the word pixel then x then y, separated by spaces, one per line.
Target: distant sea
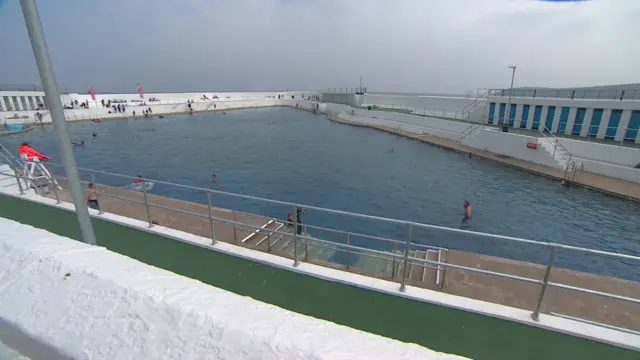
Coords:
pixel 420 101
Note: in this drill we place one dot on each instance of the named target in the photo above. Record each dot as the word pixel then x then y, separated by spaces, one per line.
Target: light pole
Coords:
pixel 513 75
pixel 43 61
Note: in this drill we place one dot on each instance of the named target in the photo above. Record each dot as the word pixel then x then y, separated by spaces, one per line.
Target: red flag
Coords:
pixel 93 94
pixel 140 91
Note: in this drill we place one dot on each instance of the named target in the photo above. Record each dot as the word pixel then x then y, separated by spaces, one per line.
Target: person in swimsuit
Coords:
pixel 92 199
pixel 139 179
pixel 467 211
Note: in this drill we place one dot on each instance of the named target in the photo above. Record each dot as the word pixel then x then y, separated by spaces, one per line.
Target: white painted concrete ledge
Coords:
pixel 63 298
pixel 554 323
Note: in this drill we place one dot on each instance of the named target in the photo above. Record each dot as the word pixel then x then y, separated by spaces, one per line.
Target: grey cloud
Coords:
pixel 409 45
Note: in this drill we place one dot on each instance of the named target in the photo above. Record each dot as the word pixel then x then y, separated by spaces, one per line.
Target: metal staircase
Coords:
pixel 33 173
pixel 469 131
pixel 481 97
pixel 561 155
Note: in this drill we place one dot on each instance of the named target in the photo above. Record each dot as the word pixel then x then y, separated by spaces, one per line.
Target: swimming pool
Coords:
pixel 292 155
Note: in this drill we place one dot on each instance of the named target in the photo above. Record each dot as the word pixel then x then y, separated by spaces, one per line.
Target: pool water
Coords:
pixel 292 155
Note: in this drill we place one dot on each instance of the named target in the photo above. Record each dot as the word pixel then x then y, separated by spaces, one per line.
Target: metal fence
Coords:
pixel 450 114
pixel 354 90
pixel 404 259
pixel 569 94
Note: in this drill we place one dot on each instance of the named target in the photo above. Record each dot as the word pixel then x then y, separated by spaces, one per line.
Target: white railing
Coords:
pixel 443 113
pixel 480 97
pixel 557 145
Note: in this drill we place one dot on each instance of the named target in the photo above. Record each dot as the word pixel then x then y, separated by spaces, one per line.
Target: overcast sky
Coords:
pixel 402 45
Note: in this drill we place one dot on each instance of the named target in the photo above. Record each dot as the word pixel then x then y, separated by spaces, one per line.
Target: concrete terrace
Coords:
pixel 437 327
pixel 612 186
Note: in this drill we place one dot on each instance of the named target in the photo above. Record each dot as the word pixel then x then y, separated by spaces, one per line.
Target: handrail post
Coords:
pixel 146 203
pixel 403 285
pixel 55 192
pixel 295 237
pixel 95 192
pixel 393 260
pixel 545 283
pixel 555 146
pixel 213 233
pixel 269 242
pixel 348 244
pixel 235 236
pixel 18 180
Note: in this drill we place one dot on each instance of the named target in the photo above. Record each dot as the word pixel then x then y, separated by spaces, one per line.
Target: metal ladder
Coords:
pixel 571 169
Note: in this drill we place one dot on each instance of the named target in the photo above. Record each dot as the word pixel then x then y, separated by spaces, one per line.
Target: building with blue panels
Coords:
pixel 616 118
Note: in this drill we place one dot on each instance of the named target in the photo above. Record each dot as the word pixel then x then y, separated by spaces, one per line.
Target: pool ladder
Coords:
pixel 570 171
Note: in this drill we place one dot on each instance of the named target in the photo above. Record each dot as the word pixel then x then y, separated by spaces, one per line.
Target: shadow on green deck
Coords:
pixel 436 327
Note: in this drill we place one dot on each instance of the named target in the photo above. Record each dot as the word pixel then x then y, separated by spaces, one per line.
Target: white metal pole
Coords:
pixel 513 75
pixel 41 54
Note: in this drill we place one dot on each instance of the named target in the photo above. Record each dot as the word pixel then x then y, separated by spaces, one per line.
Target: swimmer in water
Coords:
pixel 467 211
pixel 94 135
pixel 214 178
pixel 139 179
pixel 81 143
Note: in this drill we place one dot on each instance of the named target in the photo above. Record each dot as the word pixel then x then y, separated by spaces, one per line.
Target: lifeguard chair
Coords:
pixel 36 175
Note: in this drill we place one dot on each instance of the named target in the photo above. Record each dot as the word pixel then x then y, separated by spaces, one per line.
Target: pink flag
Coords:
pixel 140 91
pixel 93 94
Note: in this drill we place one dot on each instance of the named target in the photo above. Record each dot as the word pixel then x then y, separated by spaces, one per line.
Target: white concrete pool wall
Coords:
pixel 609 160
pixel 27 100
pixel 164 107
pixel 65 299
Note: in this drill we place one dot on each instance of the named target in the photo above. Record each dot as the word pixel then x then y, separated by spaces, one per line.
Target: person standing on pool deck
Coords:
pixel 467 211
pixel 299 218
pixel 92 199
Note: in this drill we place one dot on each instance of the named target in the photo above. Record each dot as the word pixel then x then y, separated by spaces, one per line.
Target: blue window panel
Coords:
pixel 577 124
pixel 512 114
pixel 595 122
pixel 612 125
pixel 492 111
pixel 551 113
pixel 634 125
pixel 525 116
pixel 501 113
pixel 564 117
pixel 537 115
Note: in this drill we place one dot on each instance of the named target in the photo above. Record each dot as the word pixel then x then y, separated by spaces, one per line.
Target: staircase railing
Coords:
pixel 480 96
pixel 34 170
pixel 29 170
pixel 9 158
pixel 468 131
pixel 555 142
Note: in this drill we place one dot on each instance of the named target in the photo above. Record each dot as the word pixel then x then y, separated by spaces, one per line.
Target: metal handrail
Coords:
pixel 556 144
pixel 9 158
pixel 570 94
pixel 404 258
pixel 468 131
pixel 479 96
pixel 546 244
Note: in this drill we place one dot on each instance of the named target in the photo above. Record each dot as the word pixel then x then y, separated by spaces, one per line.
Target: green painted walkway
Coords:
pixel 436 327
